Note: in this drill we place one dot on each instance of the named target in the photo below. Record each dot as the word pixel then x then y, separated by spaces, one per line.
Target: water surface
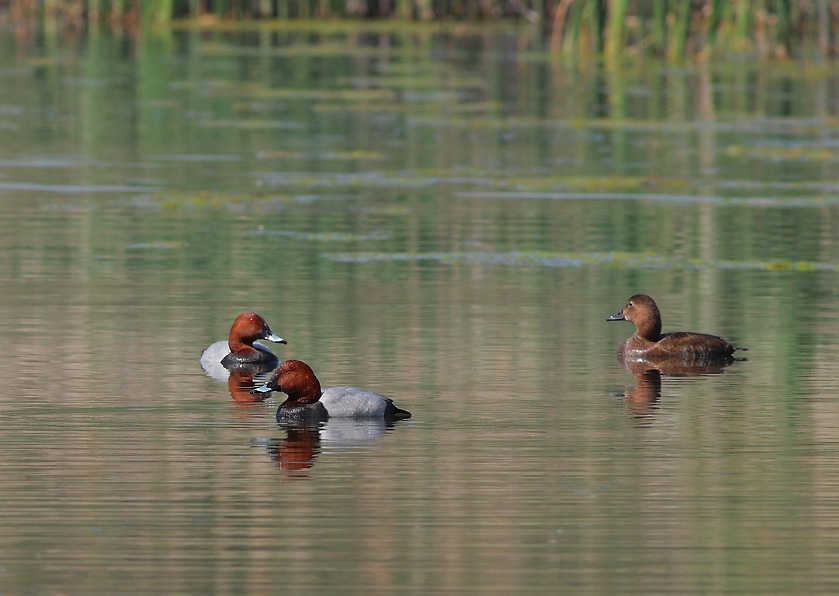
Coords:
pixel 447 218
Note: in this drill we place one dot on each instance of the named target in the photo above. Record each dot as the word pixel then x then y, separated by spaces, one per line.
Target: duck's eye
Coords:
pixel 629 303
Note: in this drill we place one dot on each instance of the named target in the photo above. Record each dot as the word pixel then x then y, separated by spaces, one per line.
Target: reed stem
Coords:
pixel 576 27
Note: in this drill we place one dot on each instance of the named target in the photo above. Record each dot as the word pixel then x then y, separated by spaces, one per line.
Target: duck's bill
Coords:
pixel 275 338
pixel 617 317
pixel 262 389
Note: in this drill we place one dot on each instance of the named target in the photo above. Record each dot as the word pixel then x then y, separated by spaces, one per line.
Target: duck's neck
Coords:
pixel 303 397
pixel 649 327
pixel 240 347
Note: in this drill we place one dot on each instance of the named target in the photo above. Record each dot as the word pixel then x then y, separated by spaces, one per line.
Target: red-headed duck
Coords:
pixel 305 399
pixel 649 343
pixel 239 348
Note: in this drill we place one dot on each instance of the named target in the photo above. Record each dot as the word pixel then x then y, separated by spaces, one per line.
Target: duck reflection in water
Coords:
pixel 242 381
pixel 643 398
pixel 296 452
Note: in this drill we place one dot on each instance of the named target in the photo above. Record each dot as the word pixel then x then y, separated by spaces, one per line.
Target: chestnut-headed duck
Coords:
pixel 306 400
pixel 239 348
pixel 648 342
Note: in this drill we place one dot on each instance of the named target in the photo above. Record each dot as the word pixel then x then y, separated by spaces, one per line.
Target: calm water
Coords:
pixel 447 218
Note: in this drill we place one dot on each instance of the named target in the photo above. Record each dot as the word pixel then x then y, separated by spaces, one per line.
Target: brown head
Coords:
pixel 246 329
pixel 641 310
pixel 297 380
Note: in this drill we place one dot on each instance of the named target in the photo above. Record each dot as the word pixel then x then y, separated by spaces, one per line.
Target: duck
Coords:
pixel 239 349
pixel 305 399
pixel 648 343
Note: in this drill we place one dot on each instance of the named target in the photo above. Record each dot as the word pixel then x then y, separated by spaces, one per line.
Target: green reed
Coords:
pixel 680 29
pixel 677 29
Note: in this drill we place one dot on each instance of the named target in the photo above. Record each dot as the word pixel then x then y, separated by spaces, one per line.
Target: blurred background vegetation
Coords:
pixel 676 29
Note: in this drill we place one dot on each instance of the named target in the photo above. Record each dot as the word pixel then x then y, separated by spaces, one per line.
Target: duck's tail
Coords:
pixel 394 413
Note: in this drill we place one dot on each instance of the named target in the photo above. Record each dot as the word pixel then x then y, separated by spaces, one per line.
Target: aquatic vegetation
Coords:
pixel 626 184
pixel 322 236
pixel 53 162
pixel 347 180
pixel 290 93
pixel 69 207
pixel 74 188
pixel 197 157
pixel 161 245
pixel 621 260
pixel 327 48
pixel 791 152
pixel 324 154
pixel 366 108
pixel 616 29
pixel 507 186
pixel 777 201
pixel 678 29
pixel 477 183
pixel 250 124
pixel 174 200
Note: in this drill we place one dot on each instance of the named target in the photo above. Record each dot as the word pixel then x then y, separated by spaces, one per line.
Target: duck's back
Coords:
pixel 219 352
pixel 692 346
pixel 259 355
pixel 685 346
pixel 214 353
pixel 352 402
